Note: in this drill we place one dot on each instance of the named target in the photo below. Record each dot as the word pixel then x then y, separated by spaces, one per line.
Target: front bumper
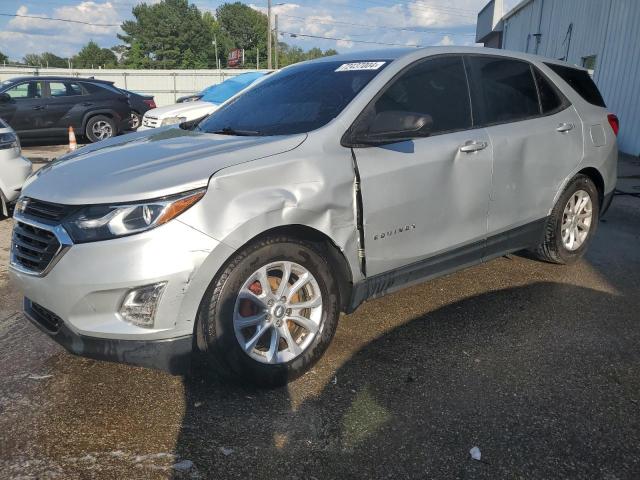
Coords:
pixel 85 289
pixel 172 355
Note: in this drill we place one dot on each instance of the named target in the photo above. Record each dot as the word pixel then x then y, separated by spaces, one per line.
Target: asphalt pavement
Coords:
pixel 536 365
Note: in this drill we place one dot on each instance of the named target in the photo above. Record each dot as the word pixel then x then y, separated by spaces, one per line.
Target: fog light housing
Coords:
pixel 140 304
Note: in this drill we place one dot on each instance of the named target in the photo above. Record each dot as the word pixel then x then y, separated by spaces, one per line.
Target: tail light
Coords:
pixel 614 122
pixel 150 102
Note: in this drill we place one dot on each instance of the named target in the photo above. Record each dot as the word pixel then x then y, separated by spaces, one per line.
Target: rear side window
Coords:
pixel 551 100
pixel 581 82
pixel 504 90
pixel 435 87
pixel 64 89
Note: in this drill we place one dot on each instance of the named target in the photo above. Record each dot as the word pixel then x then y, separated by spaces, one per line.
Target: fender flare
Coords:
pixel 92 113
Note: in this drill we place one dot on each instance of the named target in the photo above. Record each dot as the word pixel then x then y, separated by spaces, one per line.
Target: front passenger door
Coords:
pixel 427 197
pixel 27 107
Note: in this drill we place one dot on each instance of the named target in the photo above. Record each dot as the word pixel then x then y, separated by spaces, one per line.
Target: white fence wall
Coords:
pixel 165 85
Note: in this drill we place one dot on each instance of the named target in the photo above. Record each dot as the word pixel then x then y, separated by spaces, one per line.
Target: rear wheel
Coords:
pixel 135 121
pixel 572 223
pixel 271 313
pixel 99 128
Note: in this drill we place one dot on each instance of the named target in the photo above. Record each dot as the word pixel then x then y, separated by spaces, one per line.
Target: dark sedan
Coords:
pixel 45 107
pixel 140 104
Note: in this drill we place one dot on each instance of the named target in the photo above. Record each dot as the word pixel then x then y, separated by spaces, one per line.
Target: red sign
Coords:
pixel 234 59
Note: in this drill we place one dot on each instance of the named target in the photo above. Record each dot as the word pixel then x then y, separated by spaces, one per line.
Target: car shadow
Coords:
pixel 543 378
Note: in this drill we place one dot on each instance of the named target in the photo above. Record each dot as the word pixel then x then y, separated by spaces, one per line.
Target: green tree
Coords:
pixel 162 33
pixel 92 56
pixel 49 59
pixel 3 57
pixel 32 59
pixel 246 28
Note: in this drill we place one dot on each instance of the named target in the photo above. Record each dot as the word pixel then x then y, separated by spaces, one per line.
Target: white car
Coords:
pixel 208 101
pixel 178 113
pixel 14 169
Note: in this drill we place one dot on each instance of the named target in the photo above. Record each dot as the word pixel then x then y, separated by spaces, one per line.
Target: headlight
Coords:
pixel 103 222
pixel 172 121
pixel 9 140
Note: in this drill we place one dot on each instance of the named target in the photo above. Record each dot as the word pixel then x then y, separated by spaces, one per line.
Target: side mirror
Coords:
pixel 5 97
pixel 391 127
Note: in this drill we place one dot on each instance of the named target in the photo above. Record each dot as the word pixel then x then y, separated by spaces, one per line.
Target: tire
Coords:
pixel 217 333
pixel 135 122
pixel 99 128
pixel 554 248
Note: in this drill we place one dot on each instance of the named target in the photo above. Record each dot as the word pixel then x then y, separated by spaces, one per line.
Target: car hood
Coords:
pixel 191 110
pixel 148 165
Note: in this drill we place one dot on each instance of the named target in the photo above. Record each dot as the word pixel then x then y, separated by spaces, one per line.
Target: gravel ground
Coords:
pixel 537 365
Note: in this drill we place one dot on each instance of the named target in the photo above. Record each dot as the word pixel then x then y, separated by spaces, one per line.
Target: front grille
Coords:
pixel 150 122
pixel 33 248
pixel 49 320
pixel 48 211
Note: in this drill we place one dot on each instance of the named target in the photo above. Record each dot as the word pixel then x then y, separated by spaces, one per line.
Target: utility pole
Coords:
pixel 215 43
pixel 276 44
pixel 269 33
pixel 257 58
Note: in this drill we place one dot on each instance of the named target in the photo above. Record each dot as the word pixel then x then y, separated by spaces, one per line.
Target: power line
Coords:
pixel 382 27
pixel 59 20
pixel 425 8
pixel 294 35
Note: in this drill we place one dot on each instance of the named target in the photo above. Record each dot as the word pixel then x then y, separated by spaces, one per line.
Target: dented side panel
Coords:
pixel 312 185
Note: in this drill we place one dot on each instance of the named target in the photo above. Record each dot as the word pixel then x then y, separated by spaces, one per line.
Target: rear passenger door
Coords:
pixel 426 197
pixel 536 137
pixel 64 101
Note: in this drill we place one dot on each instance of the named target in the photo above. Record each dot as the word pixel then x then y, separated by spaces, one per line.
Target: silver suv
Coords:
pixel 330 183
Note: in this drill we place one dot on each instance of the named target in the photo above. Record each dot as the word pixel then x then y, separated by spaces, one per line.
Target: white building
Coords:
pixel 600 35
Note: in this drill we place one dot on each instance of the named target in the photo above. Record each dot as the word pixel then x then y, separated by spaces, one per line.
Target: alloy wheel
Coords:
pixel 278 312
pixel 576 220
pixel 102 129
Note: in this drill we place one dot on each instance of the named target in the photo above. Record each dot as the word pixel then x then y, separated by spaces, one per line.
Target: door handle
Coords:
pixel 38 107
pixel 564 127
pixel 473 146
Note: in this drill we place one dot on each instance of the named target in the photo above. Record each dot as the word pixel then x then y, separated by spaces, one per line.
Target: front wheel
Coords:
pixel 271 313
pixel 572 222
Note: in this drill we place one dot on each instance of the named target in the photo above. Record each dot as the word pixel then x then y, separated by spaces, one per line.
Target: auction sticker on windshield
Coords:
pixel 350 67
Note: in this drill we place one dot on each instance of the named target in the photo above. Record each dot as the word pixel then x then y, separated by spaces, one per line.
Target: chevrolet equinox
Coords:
pixel 331 182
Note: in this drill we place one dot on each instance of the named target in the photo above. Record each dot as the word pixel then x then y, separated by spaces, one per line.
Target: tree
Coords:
pixel 3 57
pixel 162 33
pixel 92 56
pixel 32 59
pixel 247 29
pixel 49 59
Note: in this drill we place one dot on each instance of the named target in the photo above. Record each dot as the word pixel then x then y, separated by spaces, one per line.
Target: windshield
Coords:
pixel 224 91
pixel 296 100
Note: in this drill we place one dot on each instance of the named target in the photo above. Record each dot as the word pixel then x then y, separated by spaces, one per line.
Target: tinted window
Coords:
pixel 504 89
pixel 297 99
pixel 25 91
pixel 581 82
pixel 435 87
pixel 550 98
pixel 66 89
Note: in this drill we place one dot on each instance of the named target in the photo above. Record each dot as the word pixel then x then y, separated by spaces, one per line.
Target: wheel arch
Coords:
pixel 94 113
pixel 597 178
pixel 325 244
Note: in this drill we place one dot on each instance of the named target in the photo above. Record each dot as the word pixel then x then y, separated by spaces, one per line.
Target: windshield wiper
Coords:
pixel 233 131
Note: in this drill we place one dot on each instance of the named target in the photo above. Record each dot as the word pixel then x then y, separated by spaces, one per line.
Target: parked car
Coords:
pixel 201 105
pixel 343 179
pixel 14 169
pixel 140 104
pixel 45 107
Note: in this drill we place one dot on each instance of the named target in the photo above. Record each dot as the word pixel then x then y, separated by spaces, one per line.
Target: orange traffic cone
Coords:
pixel 73 145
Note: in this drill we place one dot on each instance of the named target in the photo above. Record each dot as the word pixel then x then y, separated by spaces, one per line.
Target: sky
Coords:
pixel 349 24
